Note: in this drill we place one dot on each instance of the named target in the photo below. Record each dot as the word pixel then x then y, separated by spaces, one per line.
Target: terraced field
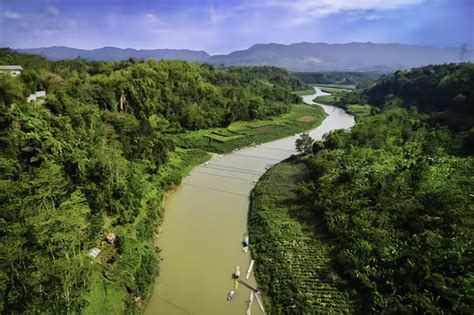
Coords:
pixel 301 117
pixel 290 247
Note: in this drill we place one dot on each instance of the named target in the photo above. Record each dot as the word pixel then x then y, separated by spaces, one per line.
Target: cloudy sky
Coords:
pixel 227 25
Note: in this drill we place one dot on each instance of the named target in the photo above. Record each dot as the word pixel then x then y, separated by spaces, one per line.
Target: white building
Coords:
pixel 31 98
pixel 35 96
pixel 13 70
pixel 40 94
pixel 94 252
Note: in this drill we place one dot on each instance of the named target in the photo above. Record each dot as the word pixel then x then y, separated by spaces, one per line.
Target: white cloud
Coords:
pixel 53 10
pixel 359 16
pixel 296 21
pixel 152 21
pixel 12 15
pixel 215 16
pixel 372 17
pixel 327 7
pixel 150 17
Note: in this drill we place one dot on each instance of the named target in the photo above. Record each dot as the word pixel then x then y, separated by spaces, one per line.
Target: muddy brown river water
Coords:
pixel 205 222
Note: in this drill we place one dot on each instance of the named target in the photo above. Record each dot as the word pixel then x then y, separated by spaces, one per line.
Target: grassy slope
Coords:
pixel 336 86
pixel 292 253
pixel 328 88
pixel 104 297
pixel 326 99
pixel 305 92
pixel 180 163
pixel 358 110
pixel 245 133
pixel 332 89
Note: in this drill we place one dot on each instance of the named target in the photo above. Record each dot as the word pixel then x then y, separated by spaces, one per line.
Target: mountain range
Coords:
pixel 294 57
pixel 114 53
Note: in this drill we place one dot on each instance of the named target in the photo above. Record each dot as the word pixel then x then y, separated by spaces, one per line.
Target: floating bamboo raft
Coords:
pixel 249 271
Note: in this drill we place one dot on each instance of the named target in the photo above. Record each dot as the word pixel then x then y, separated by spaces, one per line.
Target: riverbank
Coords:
pixel 290 247
pixel 309 91
pixel 300 118
pixel 334 99
pixel 327 99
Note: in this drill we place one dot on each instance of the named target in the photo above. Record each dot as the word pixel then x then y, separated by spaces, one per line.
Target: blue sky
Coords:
pixel 224 26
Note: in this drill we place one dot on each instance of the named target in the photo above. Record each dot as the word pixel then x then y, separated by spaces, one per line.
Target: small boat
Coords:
pixel 237 272
pixel 245 244
pixel 230 295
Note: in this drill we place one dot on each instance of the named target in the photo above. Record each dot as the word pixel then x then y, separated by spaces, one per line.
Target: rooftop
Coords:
pixel 12 68
pixel 94 252
pixel 111 237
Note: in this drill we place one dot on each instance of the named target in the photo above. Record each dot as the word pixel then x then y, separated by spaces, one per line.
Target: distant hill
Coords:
pixel 340 57
pixel 114 53
pixel 302 57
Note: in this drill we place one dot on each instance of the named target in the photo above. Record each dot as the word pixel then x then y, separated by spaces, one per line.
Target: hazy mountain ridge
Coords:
pixel 295 57
pixel 350 56
pixel 114 53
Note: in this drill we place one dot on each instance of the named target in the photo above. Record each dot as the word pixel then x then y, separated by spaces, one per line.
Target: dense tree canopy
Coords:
pixel 396 195
pixel 339 77
pixel 92 158
pixel 180 95
pixel 446 91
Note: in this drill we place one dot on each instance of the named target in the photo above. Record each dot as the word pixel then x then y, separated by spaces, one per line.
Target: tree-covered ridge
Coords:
pixel 339 77
pixel 444 92
pixel 179 95
pixel 400 210
pixel 396 196
pixel 447 91
pixel 96 157
pixel 65 182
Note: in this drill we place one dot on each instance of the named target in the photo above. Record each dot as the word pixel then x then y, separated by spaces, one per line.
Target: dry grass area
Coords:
pixel 306 119
pixel 263 129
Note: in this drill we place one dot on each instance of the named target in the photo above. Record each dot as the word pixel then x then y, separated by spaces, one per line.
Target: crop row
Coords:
pixel 291 262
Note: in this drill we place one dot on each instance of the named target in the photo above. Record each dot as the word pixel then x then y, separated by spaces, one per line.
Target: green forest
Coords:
pixel 95 157
pixel 375 220
pixel 391 200
pixel 340 77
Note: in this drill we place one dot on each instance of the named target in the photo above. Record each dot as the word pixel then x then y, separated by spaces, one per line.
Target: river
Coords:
pixel 205 222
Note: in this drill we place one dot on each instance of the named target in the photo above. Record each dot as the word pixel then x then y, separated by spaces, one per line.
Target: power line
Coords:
pixel 234 171
pixel 215 189
pixel 225 176
pixel 171 303
pixel 271 148
pixel 231 167
pixel 256 157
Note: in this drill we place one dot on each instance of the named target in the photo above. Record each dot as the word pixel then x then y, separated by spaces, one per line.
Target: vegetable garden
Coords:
pixel 291 251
